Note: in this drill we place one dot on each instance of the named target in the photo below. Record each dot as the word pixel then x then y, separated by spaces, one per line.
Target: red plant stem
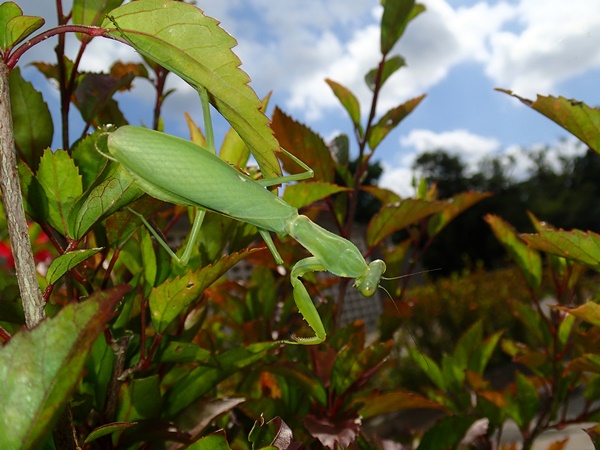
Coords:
pixel 13 57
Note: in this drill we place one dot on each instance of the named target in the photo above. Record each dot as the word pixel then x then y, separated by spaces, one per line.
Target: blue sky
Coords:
pixel 457 52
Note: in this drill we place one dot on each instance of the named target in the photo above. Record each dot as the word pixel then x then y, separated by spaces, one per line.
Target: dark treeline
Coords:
pixel 567 197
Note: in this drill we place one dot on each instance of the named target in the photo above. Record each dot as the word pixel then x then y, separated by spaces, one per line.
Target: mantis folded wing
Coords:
pixel 181 172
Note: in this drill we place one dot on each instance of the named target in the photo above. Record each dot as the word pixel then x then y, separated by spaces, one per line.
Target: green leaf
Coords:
pixel 172 297
pixel 447 433
pixel 233 148
pixel 588 312
pixel 528 260
pixel 182 39
pixel 204 378
pixel 305 144
pixel 140 399
pixel 576 245
pixel 61 184
pixel 589 362
pixel 40 368
pixel 390 120
pixel 107 429
pixel 574 116
pixel 397 216
pixel 14 26
pixel 380 403
pixel 92 12
pixel 32 122
pixel 455 206
pixel 214 441
pixel 390 66
pixel 66 262
pixel 384 195
pixel 527 398
pixel 429 367
pixel 303 194
pixel 182 352
pixel 396 16
pixel 348 101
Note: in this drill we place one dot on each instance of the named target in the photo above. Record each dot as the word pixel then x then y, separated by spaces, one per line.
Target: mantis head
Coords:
pixel 368 282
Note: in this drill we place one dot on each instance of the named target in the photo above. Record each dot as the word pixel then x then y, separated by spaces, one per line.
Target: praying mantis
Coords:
pixel 181 172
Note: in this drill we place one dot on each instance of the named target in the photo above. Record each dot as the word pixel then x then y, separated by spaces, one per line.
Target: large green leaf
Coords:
pixel 61 183
pixel 305 144
pixel 576 245
pixel 528 260
pixel 40 368
pixel 182 39
pixel 172 297
pixel 589 312
pixel 32 122
pixel 574 116
pixel 66 262
pixel 397 216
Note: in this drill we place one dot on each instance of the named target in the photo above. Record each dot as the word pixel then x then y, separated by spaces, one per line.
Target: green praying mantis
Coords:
pixel 181 172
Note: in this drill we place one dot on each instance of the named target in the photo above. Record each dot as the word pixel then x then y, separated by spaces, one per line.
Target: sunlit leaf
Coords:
pixel 588 312
pixel 528 260
pixel 384 195
pixel 397 216
pixel 390 120
pixel 303 194
pixel 574 116
pixel 580 246
pixel 161 30
pixel 40 368
pixel 68 261
pixel 305 144
pixel 214 441
pixel 92 12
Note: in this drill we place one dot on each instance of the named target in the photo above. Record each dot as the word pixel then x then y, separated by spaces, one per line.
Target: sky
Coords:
pixel 457 52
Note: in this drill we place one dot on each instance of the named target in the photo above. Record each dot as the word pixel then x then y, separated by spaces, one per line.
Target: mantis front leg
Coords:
pixel 305 305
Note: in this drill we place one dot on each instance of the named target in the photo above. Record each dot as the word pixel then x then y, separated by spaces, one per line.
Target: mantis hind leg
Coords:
pixel 304 302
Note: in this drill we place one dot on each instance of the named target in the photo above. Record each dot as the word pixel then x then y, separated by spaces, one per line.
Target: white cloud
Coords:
pixel 555 41
pixel 397 179
pixel 470 147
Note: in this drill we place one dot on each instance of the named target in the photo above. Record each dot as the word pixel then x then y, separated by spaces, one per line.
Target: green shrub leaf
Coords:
pixel 574 116
pixel 66 262
pixel 348 101
pixel 389 68
pixel 390 120
pixel 528 260
pixel 172 297
pixel 396 216
pixel 14 26
pixel 61 184
pixel 303 194
pixel 396 16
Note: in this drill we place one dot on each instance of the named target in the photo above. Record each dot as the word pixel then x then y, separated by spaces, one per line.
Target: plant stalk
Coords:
pixel 31 296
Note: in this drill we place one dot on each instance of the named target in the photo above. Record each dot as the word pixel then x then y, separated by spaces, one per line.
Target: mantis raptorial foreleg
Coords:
pixel 181 172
